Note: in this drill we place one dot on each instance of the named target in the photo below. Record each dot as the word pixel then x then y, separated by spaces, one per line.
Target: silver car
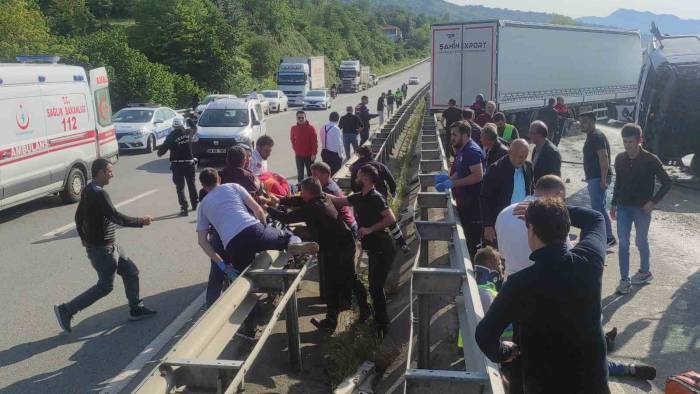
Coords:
pixel 277 99
pixel 210 99
pixel 318 99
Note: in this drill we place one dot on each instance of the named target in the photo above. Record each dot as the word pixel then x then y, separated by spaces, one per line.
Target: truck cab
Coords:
pixel 350 76
pixel 668 97
pixel 225 123
pixel 293 80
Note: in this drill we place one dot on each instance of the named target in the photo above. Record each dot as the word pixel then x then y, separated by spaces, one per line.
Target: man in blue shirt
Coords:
pixel 465 182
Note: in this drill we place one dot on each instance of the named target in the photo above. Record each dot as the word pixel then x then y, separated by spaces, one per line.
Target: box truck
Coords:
pixel 521 65
pixel 57 120
pixel 354 77
pixel 297 75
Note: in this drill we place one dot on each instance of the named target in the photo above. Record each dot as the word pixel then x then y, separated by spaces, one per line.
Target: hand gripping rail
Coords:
pixel 479 374
pixel 383 141
pixel 201 360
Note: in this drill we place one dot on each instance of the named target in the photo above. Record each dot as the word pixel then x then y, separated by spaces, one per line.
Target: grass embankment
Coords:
pixel 346 350
pixel 391 67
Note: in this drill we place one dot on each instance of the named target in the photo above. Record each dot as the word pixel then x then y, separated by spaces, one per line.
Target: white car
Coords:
pixel 226 123
pixel 210 99
pixel 318 98
pixel 277 99
pixel 142 127
pixel 261 99
pixel 413 81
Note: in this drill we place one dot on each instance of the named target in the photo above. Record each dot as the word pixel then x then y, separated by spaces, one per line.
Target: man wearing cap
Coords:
pixel 182 163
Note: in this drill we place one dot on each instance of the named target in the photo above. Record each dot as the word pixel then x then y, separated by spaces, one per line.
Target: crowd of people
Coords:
pixel 241 206
pixel 541 290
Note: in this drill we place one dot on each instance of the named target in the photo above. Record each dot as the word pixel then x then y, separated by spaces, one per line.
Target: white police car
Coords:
pixel 142 126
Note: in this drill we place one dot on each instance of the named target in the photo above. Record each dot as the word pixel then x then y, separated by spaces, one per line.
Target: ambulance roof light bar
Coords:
pixel 51 59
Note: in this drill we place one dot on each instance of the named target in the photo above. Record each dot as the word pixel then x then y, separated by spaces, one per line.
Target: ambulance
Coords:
pixel 56 120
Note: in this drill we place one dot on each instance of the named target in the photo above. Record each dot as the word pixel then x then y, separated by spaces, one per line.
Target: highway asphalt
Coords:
pixel 42 263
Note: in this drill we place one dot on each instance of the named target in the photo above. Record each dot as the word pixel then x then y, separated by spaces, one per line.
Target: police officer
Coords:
pixel 182 163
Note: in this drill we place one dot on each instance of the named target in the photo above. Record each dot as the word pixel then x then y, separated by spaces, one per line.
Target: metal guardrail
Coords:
pixel 383 141
pixel 458 281
pixel 202 358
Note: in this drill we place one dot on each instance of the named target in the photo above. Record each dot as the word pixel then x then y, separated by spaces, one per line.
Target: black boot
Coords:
pixel 325 325
pixel 184 210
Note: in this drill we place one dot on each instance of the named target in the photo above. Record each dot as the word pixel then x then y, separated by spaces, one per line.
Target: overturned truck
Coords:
pixel 668 99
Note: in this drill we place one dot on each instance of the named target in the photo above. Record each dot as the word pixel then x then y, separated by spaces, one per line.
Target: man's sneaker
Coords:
pixel 183 211
pixel 644 372
pixel 141 312
pixel 194 207
pixel 324 325
pixel 63 316
pixel 302 248
pixel 642 278
pixel 610 338
pixel 624 287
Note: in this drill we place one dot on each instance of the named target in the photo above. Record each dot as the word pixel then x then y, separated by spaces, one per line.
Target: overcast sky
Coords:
pixel 685 9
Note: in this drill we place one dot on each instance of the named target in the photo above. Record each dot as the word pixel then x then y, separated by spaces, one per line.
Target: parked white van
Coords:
pixel 228 122
pixel 56 124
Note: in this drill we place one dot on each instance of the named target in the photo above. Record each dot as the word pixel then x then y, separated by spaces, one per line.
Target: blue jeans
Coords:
pixel 599 202
pixel 617 369
pixel 350 139
pixel 626 215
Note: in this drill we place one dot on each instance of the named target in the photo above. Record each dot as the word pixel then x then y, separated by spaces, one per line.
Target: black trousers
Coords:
pixel 332 159
pixel 364 135
pixel 303 163
pixel 340 280
pixel 381 252
pixel 470 217
pixel 184 173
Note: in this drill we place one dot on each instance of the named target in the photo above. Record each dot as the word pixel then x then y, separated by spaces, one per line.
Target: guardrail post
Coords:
pixel 424 331
pixel 292 322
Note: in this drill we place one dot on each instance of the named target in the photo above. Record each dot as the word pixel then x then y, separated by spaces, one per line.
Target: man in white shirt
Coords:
pixel 332 152
pixel 227 208
pixel 259 155
pixel 511 231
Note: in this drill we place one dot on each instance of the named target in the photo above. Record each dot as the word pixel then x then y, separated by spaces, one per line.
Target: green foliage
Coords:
pixel 193 37
pixel 25 31
pixel 166 50
pixel 133 77
pixel 558 19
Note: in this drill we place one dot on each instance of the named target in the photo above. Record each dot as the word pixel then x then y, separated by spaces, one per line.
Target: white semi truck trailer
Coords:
pixel 521 65
pixel 297 75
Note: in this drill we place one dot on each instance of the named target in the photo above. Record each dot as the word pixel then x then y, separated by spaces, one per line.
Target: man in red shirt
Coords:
pixel 486 116
pixel 304 144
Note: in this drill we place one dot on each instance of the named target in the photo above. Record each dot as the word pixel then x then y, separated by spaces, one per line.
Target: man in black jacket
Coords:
pixel 492 144
pixel 546 159
pixel 351 125
pixel 96 220
pixel 362 111
pixel 386 183
pixel 556 303
pixel 336 248
pixel 549 116
pixel 507 181
pixel 179 143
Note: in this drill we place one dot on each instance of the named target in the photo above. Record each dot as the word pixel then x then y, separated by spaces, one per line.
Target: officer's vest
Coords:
pixel 490 287
pixel 508 132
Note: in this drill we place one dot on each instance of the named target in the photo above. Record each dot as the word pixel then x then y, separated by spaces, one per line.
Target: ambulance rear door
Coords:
pixel 107 146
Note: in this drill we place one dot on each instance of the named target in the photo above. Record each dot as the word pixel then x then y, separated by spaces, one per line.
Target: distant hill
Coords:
pixel 639 20
pixel 453 12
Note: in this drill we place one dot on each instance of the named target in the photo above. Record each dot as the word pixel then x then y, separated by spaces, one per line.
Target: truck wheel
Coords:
pixel 73 187
pixel 151 144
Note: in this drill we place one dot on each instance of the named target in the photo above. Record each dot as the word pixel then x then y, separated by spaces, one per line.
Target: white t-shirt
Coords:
pixel 332 139
pixel 224 208
pixel 511 234
pixel 257 165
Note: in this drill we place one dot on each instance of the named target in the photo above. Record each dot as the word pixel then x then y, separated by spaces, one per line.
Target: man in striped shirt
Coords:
pixel 96 220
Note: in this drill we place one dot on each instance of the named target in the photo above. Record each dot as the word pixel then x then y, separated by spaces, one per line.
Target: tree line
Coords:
pixel 165 51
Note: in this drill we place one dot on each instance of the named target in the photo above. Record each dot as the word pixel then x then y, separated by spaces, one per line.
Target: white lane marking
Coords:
pixel 69 226
pixel 117 383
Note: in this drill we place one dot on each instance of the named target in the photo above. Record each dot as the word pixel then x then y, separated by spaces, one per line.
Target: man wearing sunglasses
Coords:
pixel 304 144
